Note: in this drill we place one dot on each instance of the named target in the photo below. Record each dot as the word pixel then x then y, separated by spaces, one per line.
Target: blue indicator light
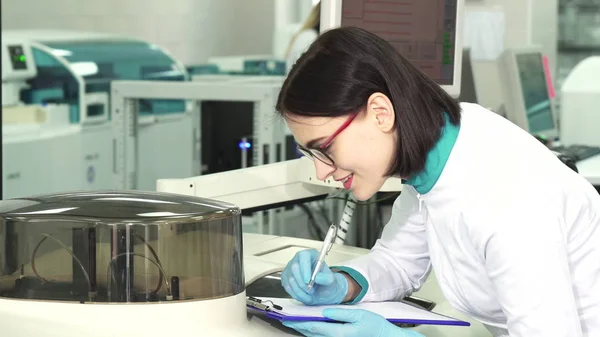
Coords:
pixel 244 145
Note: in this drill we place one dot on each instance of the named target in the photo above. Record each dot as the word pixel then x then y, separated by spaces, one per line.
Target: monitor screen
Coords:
pixel 422 31
pixel 536 99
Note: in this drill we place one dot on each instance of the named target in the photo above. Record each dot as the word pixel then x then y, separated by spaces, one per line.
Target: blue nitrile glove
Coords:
pixel 358 323
pixel 329 287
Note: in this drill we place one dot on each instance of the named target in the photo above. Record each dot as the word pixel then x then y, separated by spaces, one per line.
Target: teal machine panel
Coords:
pixel 62 66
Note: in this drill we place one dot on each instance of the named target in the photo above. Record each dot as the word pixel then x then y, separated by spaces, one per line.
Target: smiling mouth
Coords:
pixel 347 182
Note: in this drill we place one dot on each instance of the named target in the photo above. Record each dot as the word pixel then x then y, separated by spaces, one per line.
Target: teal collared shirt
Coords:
pixel 423 182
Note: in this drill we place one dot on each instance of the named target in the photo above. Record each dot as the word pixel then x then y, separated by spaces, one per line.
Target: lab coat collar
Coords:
pixel 437 157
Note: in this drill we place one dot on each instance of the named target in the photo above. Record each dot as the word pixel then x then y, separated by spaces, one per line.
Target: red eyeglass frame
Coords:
pixel 321 149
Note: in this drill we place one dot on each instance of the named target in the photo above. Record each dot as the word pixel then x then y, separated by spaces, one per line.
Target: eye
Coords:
pixel 329 148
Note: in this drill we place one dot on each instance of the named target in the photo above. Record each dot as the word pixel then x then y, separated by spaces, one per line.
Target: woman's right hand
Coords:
pixel 329 288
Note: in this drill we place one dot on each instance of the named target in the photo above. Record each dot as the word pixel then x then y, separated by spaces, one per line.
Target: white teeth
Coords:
pixel 348 178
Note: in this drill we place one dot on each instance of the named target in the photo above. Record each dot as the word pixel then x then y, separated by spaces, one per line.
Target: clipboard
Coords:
pixel 283 309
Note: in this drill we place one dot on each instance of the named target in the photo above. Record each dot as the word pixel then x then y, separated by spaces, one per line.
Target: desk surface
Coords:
pixel 590 169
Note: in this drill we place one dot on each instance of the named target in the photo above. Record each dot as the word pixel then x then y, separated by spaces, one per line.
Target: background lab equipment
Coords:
pixel 69 85
pixel 530 106
pixel 228 146
pixel 248 65
pixel 580 99
pixel 527 100
pixel 579 117
pixel 256 137
pixel 41 132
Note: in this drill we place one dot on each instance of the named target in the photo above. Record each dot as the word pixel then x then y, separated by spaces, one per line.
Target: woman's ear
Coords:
pixel 381 111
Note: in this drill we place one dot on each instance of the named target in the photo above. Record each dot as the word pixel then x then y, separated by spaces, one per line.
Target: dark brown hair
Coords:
pixel 345 66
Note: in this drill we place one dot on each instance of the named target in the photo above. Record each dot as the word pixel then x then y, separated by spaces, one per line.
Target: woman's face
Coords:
pixel 362 151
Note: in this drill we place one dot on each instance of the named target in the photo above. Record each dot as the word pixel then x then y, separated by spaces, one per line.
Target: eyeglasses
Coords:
pixel 319 152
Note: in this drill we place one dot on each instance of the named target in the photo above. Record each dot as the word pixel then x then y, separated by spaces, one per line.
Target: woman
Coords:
pixel 307 35
pixel 512 233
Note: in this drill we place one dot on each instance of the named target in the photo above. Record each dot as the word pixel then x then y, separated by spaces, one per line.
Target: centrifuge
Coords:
pixel 123 263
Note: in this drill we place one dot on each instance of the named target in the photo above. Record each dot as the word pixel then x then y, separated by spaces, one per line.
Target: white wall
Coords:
pixel 253 26
pixel 527 22
pixel 187 28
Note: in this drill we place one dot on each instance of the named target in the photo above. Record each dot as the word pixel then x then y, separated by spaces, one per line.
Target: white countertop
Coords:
pixel 590 169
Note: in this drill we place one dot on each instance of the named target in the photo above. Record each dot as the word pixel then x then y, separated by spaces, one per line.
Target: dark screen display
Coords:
pixel 17 57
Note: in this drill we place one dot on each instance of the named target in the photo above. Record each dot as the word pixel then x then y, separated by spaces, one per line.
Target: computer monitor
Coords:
pixel 527 99
pixel 428 33
pixel 468 91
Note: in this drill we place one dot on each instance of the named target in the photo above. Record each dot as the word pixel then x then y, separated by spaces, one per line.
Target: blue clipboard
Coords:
pixel 277 312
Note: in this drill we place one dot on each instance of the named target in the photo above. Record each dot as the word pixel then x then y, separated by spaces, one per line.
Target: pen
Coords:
pixel 327 243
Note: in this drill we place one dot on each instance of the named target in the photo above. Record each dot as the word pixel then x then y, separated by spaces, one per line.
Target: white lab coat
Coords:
pixel 303 40
pixel 512 233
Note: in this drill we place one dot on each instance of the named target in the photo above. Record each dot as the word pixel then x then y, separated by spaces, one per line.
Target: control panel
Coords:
pixel 17 60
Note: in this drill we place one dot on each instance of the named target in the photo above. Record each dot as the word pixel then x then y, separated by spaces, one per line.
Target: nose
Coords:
pixel 323 170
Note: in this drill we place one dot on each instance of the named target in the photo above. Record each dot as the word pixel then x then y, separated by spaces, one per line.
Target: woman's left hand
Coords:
pixel 352 323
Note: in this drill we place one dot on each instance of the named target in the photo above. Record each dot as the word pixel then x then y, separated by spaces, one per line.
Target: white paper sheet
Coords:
pixel 484 34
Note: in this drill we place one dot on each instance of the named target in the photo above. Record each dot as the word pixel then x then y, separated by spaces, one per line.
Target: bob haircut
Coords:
pixel 345 66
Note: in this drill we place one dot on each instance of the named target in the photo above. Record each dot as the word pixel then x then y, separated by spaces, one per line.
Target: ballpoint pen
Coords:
pixel 327 244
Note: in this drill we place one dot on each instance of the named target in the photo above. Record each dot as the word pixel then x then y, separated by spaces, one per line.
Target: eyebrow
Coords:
pixel 313 143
